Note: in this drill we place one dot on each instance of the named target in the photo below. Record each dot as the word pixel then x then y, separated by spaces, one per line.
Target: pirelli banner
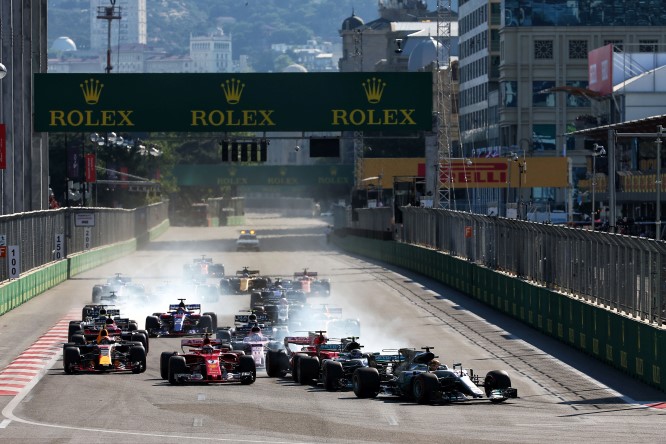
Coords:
pixel 382 101
pixel 529 172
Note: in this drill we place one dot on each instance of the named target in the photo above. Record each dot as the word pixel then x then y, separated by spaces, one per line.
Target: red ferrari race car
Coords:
pixel 181 320
pixel 287 359
pixel 207 361
pixel 105 354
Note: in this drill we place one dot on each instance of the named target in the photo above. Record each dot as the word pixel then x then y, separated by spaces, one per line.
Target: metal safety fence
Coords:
pixel 620 272
pixel 31 240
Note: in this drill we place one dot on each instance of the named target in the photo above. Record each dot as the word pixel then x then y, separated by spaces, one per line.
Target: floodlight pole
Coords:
pixel 109 13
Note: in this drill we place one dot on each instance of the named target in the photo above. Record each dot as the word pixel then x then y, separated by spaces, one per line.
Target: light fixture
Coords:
pixel 3 71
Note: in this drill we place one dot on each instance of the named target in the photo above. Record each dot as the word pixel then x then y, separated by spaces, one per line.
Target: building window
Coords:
pixel 647 46
pixel 543 49
pixel 578 49
pixel 540 97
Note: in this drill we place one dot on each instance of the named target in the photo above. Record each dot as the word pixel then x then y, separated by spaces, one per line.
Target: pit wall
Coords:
pixel 625 343
pixel 30 284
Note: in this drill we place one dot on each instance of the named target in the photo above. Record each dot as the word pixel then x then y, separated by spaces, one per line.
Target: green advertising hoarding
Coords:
pixel 263 175
pixel 233 102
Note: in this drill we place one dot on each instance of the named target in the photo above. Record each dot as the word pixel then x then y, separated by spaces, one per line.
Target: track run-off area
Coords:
pixel 564 395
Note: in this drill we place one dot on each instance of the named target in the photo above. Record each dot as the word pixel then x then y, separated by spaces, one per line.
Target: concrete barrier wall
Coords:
pixel 628 344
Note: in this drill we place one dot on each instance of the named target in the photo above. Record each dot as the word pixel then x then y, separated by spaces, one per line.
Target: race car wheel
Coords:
pixel 332 372
pixel 295 366
pixel 140 337
pixel 79 339
pixel 70 357
pixel 223 335
pixel 246 364
pixel 496 379
pixel 177 366
pixel 424 386
pixel 96 294
pixel 74 329
pixel 205 324
pixel 277 363
pixel 152 325
pixel 133 326
pixel 272 312
pixel 213 318
pixel 365 382
pixel 164 364
pixel 256 299
pixel 308 370
pixel 225 286
pixel 137 356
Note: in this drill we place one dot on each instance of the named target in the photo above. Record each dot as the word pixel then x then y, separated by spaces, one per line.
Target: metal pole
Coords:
pixel 594 182
pixel 508 187
pixel 658 183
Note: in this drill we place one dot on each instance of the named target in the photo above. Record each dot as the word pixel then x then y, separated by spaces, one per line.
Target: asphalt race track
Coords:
pixel 564 396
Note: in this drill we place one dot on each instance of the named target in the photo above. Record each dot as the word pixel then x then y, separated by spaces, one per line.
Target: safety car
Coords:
pixel 247 241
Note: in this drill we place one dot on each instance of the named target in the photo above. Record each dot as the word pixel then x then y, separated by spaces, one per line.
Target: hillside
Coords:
pixel 254 24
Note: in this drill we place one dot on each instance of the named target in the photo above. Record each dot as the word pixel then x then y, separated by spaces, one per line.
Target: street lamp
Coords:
pixel 3 71
pixel 522 169
pixel 513 157
pixel 597 150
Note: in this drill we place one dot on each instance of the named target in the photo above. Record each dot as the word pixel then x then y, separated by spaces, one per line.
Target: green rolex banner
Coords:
pixel 234 102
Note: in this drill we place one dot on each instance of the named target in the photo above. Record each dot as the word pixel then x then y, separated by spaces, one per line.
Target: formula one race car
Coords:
pixel 181 320
pixel 202 268
pixel 414 377
pixel 112 286
pixel 207 361
pixel 286 358
pixel 107 355
pixel 97 317
pixel 245 281
pixel 309 283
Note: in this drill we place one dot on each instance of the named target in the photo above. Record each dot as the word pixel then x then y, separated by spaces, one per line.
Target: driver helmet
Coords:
pixel 256 330
pixel 109 321
pixel 104 333
pixel 102 311
pixel 253 318
pixel 207 349
pixel 433 365
pixel 356 353
pixel 353 345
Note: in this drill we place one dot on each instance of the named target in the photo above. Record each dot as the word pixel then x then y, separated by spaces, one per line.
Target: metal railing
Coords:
pixel 620 272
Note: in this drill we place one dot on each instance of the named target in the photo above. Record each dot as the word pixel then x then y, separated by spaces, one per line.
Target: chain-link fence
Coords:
pixel 616 271
pixel 37 238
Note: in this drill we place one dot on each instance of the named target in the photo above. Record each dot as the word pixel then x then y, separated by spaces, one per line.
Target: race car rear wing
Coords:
pixel 188 307
pixel 387 358
pixel 93 312
pixel 297 340
pixel 250 272
pixel 198 342
pixel 305 273
pixel 262 318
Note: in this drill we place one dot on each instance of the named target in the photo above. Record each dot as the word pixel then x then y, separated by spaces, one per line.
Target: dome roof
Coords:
pixel 63 44
pixel 352 22
pixel 423 54
pixel 295 68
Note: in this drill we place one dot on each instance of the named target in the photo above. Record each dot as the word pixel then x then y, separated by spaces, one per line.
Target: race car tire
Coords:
pixel 277 363
pixel 365 382
pixel 225 286
pixel 256 299
pixel 423 387
pixel 164 364
pixel 223 335
pixel 152 325
pixel 308 370
pixel 70 357
pixel 132 326
pixel 272 312
pixel 74 329
pixel 295 366
pixel 331 374
pixel 177 365
pixel 205 324
pixel 213 318
pixel 79 339
pixel 140 337
pixel 138 355
pixel 247 364
pixel 496 379
pixel 96 294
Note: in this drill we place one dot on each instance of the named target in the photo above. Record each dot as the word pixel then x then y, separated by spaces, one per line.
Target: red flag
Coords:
pixel 91 174
pixel 3 146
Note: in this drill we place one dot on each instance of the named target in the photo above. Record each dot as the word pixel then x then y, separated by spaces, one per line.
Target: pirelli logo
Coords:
pixel 488 174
